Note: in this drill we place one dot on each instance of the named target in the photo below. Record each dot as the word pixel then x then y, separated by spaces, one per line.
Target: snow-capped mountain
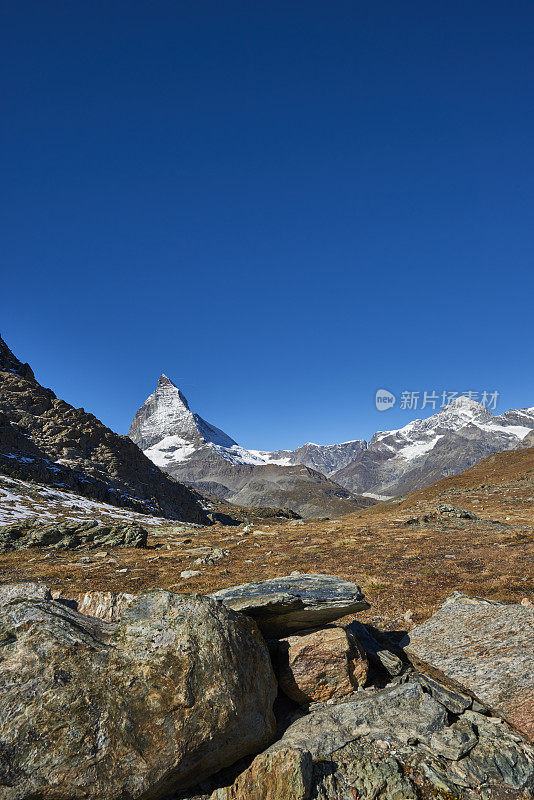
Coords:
pixel 425 450
pixel 196 452
pixel 169 433
pixel 393 462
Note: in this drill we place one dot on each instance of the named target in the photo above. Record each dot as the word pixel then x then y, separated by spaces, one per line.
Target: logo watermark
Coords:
pixel 384 399
pixel 411 401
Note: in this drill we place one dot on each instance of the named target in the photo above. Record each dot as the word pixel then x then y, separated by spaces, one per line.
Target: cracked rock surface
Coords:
pixel 396 743
pixel 177 689
pixel 486 646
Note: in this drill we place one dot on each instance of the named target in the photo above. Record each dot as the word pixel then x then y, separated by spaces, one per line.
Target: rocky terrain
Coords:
pixel 196 452
pixel 384 654
pixel 183 698
pixel 44 439
pixel 392 463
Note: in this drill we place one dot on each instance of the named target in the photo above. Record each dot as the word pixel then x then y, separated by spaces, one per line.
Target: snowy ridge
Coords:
pixel 421 435
pixel 23 500
pixel 171 435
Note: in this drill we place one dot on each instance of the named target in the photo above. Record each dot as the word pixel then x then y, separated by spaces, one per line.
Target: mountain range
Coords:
pixel 177 465
pixel 391 463
pixel 447 443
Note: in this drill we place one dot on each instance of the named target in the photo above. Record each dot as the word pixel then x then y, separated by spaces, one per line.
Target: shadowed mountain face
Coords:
pixel 45 439
pixel 198 453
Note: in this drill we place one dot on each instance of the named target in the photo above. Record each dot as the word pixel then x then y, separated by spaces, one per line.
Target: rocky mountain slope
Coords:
pixel 196 452
pixel 325 458
pixel 44 439
pixel 425 450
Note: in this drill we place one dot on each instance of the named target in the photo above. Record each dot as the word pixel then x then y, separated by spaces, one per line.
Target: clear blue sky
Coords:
pixel 284 206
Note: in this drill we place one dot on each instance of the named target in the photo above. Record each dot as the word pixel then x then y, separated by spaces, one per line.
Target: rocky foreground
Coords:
pixel 163 695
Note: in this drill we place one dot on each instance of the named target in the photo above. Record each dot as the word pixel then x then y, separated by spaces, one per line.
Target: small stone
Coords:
pixel 286 774
pixel 377 652
pixel 212 557
pixel 454 742
pixel 189 573
pixel 454 701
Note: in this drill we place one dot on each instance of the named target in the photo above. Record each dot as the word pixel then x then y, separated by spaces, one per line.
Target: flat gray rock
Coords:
pixel 486 646
pixel 294 602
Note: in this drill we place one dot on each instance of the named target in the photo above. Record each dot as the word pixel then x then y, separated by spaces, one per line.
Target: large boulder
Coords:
pixel 71 535
pixel 176 690
pixel 486 646
pixel 317 665
pixel 398 743
pixel 294 602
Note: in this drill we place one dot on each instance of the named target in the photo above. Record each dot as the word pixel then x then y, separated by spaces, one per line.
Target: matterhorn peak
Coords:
pixel 166 428
pixel 166 388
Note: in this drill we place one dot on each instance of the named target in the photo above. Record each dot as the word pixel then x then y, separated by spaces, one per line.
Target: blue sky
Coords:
pixel 282 206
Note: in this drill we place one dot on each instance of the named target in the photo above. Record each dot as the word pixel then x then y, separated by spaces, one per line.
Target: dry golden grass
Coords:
pixel 401 567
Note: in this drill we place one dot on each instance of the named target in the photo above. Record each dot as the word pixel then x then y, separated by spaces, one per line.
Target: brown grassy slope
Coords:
pixel 401 567
pixel 501 484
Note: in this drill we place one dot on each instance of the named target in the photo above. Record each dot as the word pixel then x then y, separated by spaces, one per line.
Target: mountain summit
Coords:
pixel 167 430
pixel 196 452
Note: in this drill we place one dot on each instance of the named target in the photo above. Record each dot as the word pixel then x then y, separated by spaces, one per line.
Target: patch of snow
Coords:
pixel 169 449
pixel 38 500
pixel 418 448
pixel 517 431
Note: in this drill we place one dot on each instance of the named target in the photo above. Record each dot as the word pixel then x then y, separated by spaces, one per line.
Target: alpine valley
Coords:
pixel 160 642
pixel 315 479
